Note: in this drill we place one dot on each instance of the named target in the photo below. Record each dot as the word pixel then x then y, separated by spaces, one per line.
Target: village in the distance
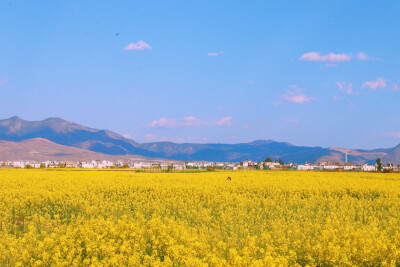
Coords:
pixel 175 166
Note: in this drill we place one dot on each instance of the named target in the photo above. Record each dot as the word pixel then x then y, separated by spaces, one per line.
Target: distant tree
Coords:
pixel 281 162
pixel 125 166
pixel 3 164
pixel 210 169
pixel 28 166
pixel 241 163
pixel 268 159
pixel 379 164
pixel 42 165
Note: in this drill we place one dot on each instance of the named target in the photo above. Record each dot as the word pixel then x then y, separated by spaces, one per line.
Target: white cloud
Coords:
pixel 295 96
pixel 345 87
pixel 378 83
pixel 395 87
pixel 192 121
pixel 140 45
pixel 189 121
pixel 215 53
pixel 331 57
pixel 127 136
pixel 224 121
pixel 163 122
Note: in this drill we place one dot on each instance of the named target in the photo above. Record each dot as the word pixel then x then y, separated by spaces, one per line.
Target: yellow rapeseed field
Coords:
pixel 260 218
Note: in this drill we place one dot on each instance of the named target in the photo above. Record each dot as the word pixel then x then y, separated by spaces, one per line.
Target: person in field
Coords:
pixel 229 178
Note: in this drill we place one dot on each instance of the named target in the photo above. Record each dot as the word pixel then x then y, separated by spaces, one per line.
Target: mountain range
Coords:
pixel 41 149
pixel 56 134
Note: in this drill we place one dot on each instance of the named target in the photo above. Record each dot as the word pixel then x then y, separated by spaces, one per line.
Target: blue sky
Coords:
pixel 315 73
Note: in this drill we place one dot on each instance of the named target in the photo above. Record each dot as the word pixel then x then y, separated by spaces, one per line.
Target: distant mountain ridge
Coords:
pixel 40 149
pixel 70 134
pixel 67 133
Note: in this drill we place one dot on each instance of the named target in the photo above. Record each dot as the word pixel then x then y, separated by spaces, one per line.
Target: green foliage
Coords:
pixel 268 159
pixel 379 164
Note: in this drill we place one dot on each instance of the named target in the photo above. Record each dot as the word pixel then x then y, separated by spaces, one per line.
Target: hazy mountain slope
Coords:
pixel 40 149
pixel 257 150
pixel 67 133
pixel 357 156
pixel 393 156
pixel 368 155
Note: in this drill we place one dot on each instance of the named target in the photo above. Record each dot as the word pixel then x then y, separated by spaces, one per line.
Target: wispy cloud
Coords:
pixel 395 87
pixel 247 126
pixel 224 121
pixel 155 138
pixel 391 135
pixel 189 121
pixel 332 57
pixel 3 81
pixel 163 122
pixel 140 45
pixel 215 53
pixel 378 83
pixel 127 136
pixel 363 56
pixel 345 87
pixel 150 137
pixel 330 65
pixel 192 121
pixel 295 96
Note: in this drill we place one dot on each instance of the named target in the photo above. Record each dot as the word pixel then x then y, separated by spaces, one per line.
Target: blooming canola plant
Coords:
pixel 258 218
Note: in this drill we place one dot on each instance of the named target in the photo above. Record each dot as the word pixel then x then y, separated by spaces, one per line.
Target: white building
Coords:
pixel 331 167
pixel 18 164
pixel 87 165
pixel 368 168
pixel 349 167
pixel 306 167
pixel 164 165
